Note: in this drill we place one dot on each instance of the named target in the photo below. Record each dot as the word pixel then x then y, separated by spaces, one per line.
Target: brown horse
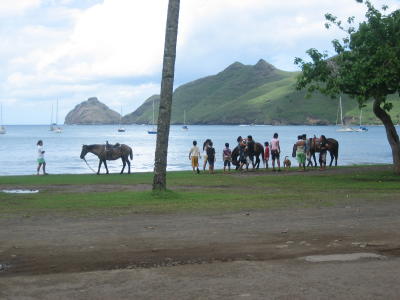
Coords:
pixel 109 152
pixel 333 149
pixel 258 150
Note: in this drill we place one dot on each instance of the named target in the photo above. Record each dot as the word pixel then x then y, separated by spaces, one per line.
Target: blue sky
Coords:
pixel 71 50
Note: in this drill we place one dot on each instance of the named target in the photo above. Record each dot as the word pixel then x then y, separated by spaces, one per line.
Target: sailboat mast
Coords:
pixel 57 112
pixel 52 113
pixel 341 110
pixel 153 111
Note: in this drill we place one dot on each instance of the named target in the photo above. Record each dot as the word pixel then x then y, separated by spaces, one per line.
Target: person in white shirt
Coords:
pixel 40 159
pixel 275 152
pixel 194 156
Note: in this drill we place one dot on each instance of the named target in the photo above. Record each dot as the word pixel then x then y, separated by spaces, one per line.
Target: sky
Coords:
pixel 70 50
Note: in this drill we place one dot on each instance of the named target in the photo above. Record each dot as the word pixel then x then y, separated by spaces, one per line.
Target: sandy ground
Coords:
pixel 257 255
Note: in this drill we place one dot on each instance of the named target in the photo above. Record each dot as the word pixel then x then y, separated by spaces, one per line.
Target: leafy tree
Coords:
pixel 167 84
pixel 366 66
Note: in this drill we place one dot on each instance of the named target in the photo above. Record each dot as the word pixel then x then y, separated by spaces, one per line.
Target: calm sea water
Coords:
pixel 18 146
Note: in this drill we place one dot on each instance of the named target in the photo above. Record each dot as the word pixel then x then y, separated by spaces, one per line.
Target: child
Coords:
pixel 266 154
pixel 194 156
pixel 227 157
pixel 210 157
pixel 40 159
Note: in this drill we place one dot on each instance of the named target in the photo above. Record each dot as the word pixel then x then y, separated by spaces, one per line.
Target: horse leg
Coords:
pixel 332 156
pixel 98 171
pixel 257 162
pixel 123 165
pixel 315 160
pixel 105 164
pixel 129 165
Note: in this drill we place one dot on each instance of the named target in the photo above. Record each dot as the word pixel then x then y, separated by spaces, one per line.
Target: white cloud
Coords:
pixel 113 49
pixel 10 7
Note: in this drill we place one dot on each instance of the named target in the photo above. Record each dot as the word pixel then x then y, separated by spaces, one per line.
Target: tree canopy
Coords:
pixel 366 65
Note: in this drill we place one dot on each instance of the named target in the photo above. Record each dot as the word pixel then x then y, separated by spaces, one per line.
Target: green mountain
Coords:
pixel 245 94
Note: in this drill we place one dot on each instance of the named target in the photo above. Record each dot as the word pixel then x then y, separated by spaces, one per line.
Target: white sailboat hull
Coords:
pixel 345 129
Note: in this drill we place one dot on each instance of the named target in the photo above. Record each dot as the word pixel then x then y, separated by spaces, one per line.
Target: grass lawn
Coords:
pixel 87 194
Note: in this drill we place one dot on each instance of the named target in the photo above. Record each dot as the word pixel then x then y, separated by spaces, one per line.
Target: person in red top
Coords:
pixel 266 154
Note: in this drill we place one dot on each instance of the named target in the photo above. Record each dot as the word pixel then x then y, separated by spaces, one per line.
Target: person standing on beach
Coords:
pixel 275 152
pixel 323 146
pixel 205 158
pixel 242 157
pixel 210 157
pixel 40 159
pixel 266 154
pixel 194 156
pixel 300 152
pixel 227 157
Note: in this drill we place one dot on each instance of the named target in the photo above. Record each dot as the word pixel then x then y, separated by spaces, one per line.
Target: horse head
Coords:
pixel 85 150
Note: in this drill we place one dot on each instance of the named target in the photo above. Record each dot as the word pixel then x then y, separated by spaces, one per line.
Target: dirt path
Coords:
pixel 253 255
pixel 192 256
pixel 49 244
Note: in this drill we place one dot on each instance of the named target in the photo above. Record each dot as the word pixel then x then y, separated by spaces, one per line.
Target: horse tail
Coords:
pixel 235 154
pixel 262 152
pixel 130 153
pixel 337 151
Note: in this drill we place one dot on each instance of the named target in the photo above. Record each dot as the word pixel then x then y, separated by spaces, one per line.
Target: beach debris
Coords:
pixel 18 191
pixel 342 257
pixel 375 244
pixel 4 267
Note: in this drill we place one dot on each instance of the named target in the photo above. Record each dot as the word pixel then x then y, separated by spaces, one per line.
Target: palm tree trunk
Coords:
pixel 167 85
pixel 391 133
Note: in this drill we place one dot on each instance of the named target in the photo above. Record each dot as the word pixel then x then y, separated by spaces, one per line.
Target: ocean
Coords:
pixel 18 150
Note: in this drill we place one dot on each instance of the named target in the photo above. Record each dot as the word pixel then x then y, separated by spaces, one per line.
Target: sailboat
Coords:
pixel 343 127
pixel 120 128
pixel 154 130
pixel 2 128
pixel 52 124
pixel 184 121
pixel 361 128
pixel 56 128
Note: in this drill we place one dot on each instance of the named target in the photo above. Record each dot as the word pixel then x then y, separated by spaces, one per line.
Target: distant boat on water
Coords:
pixel 54 126
pixel 120 128
pixel 153 130
pixel 2 128
pixel 361 128
pixel 343 127
pixel 184 127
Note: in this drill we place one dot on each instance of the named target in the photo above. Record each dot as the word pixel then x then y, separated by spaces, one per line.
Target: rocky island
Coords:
pixel 92 112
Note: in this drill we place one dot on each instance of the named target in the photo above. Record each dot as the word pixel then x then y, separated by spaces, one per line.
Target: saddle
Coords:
pixel 110 149
pixel 111 146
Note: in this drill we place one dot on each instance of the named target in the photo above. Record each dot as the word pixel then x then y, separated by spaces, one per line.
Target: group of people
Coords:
pixel 208 156
pixel 303 151
pixel 246 148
